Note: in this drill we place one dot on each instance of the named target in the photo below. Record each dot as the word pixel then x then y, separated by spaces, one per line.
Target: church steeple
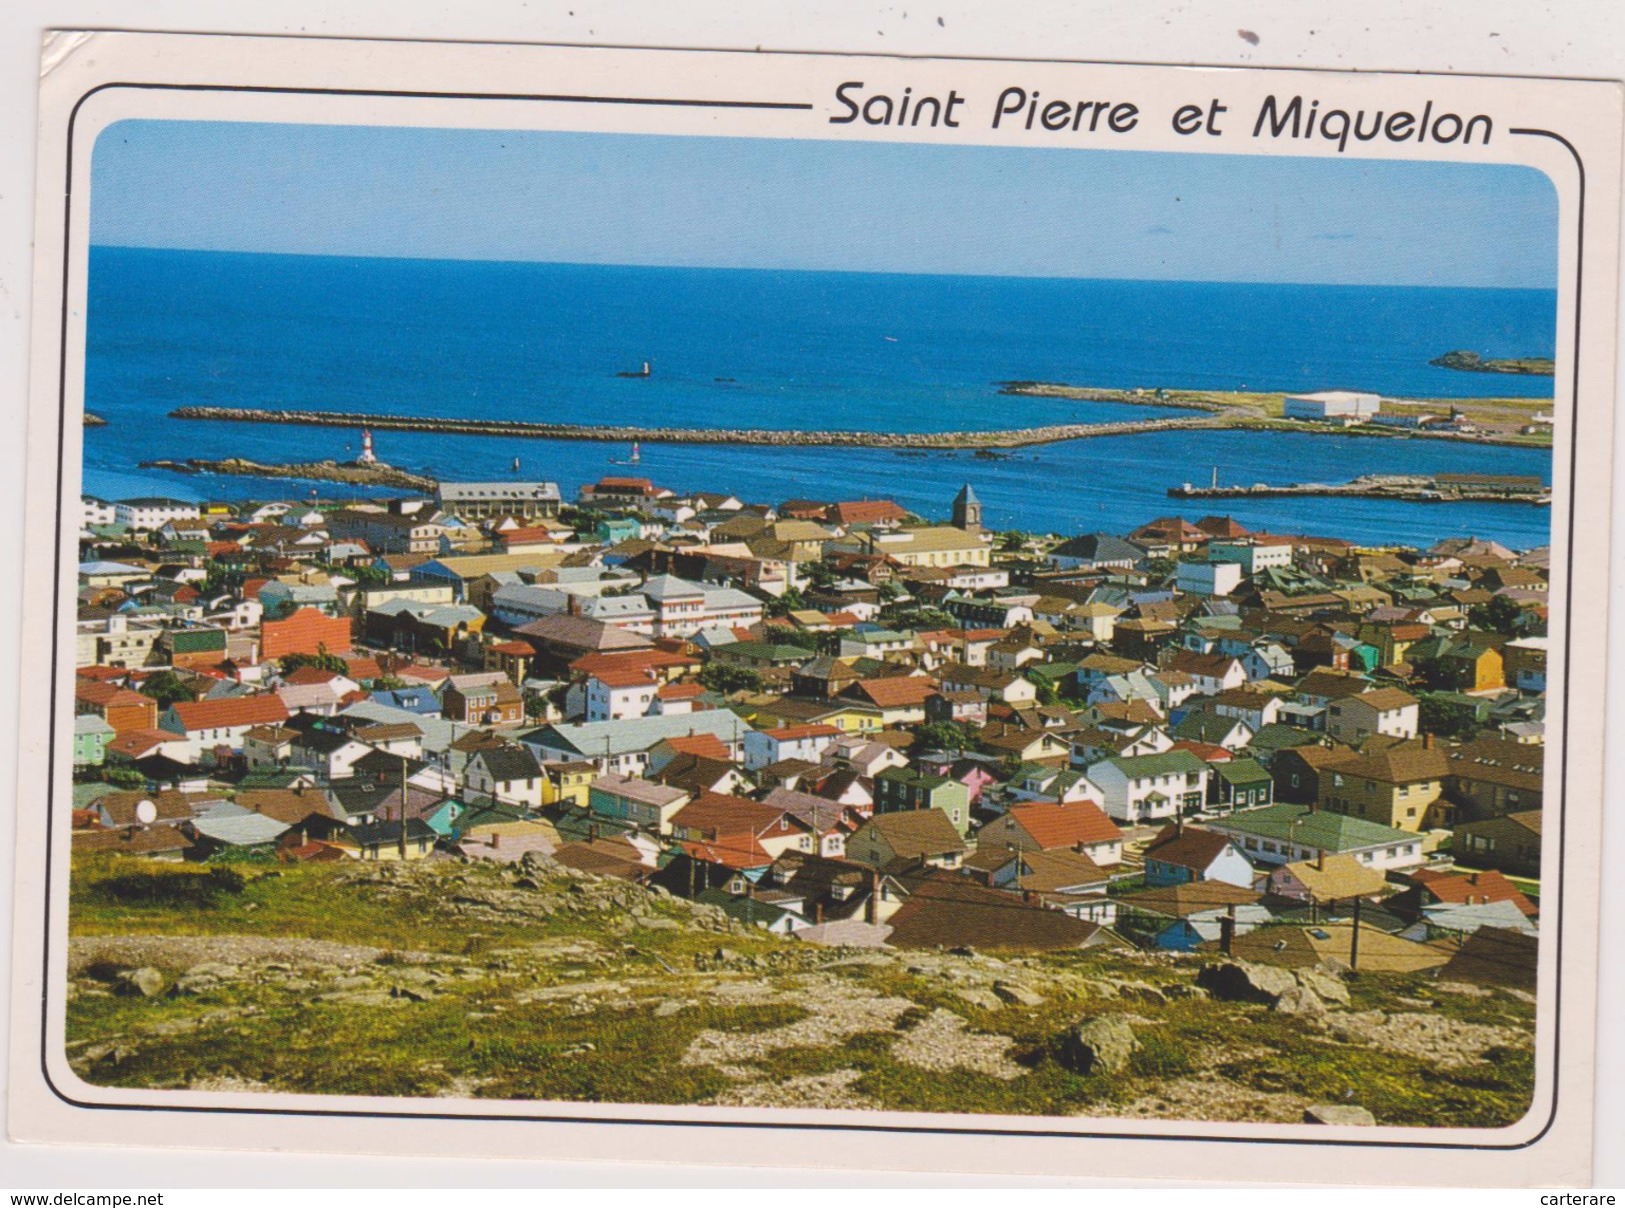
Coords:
pixel 967 510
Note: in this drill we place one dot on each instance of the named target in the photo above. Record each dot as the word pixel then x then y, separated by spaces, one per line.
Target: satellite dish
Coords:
pixel 146 812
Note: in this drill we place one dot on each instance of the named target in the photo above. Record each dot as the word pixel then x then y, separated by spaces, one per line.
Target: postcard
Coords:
pixel 815 609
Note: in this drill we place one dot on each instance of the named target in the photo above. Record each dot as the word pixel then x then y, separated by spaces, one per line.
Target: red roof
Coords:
pixel 1207 752
pixel 792 733
pixel 866 511
pixel 134 744
pixel 615 677
pixel 686 691
pixel 732 851
pixel 101 673
pixel 706 746
pixel 632 660
pixel 363 668
pixel 106 696
pixel 237 711
pixel 522 649
pixel 1472 889
pixel 311 675
pixel 895 691
pixel 1053 824
pixel 1187 847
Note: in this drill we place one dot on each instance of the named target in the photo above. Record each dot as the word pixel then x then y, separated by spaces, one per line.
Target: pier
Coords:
pixel 1439 488
pixel 1003 438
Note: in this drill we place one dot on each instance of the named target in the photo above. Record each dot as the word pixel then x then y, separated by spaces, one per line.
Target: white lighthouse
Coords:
pixel 368 457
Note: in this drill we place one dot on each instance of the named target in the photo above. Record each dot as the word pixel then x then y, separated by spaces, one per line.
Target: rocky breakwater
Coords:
pixel 1000 438
pixel 353 473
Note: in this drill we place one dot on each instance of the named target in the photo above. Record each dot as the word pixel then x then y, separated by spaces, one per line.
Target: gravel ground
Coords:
pixel 940 1042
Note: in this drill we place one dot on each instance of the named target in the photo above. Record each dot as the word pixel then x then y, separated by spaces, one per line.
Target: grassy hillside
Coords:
pixel 531 983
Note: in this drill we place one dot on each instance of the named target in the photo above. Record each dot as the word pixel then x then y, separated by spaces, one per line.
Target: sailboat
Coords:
pixel 637 456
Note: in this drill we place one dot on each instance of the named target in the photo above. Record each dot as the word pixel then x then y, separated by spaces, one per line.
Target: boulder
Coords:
pixel 1139 991
pixel 1327 987
pixel 1101 1045
pixel 1299 1000
pixel 1337 1113
pixel 144 982
pixel 1019 995
pixel 1243 981
pixel 978 997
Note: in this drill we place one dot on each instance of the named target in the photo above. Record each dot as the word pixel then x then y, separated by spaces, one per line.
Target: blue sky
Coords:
pixel 809 204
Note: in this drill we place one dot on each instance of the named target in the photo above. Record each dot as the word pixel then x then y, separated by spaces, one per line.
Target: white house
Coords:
pixel 1208 578
pixel 1250 554
pixel 150 513
pixel 1149 788
pixel 805 742
pixel 613 695
pixel 507 774
pixel 1388 711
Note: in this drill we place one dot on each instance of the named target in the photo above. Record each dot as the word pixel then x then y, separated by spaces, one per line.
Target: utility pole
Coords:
pixel 403 810
pixel 1354 940
pixel 1227 929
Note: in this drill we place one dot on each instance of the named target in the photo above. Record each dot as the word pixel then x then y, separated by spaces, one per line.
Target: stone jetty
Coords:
pixel 1002 438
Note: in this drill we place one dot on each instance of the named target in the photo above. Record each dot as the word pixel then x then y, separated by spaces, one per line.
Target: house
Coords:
pixel 1283 834
pixel 830 822
pixel 138 808
pixel 385 841
pixel 485 500
pixel 1213 729
pixel 909 839
pixel 1027 746
pixel 1297 770
pixel 1387 711
pixel 1509 843
pixel 1096 551
pixel 738 828
pixel 1080 826
pixel 1207 578
pixel 304 631
pixel 1325 879
pixel 904 789
pixel 1398 786
pixel 483 698
pixel 207 724
pixel 1212 673
pixel 123 709
pixel 1241 784
pixel 506 773
pixel 616 693
pixel 1489 777
pixel 1147 788
pixel 625 746
pixel 1185 854
pixel 947 910
pixel 901 699
pixel 91 734
pixel 1007 686
pixel 1431 887
pixel 1334 943
pixel 638 802
pixel 331 753
pixel 806 742
pixel 1180 917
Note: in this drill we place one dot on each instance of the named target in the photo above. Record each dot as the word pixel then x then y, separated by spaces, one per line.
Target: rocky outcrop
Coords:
pixel 1471 362
pixel 1243 981
pixel 1100 1045
pixel 1338 1114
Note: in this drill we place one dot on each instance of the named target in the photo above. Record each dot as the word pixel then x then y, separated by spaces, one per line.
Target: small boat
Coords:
pixel 516 465
pixel 645 371
pixel 637 456
pixel 889 339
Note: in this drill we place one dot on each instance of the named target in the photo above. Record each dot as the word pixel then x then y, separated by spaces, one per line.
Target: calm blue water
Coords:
pixel 790 350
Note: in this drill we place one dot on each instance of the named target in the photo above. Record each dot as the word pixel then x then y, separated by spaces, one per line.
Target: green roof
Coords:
pixel 1049 672
pixel 1278 737
pixel 1313 828
pixel 1243 771
pixel 1169 763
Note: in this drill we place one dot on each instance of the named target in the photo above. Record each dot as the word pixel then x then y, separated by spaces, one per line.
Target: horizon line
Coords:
pixel 856 272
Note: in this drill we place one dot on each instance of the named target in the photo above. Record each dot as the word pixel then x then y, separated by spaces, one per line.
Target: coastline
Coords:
pixel 1408 487
pixel 378 475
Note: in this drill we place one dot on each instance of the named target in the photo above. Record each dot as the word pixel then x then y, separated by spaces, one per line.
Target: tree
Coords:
pixel 725 678
pixel 819 574
pixel 791 601
pixel 946 736
pixel 321 660
pixel 166 688
pixel 124 778
pixel 916 618
pixel 1503 615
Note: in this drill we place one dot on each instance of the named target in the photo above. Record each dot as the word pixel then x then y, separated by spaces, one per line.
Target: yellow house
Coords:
pixel 1398 786
pixel 568 783
pixel 381 841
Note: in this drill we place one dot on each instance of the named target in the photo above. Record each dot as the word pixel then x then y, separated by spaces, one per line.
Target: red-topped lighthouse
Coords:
pixel 368 457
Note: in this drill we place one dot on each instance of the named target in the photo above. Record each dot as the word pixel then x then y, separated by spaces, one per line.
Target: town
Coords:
pixel 832 724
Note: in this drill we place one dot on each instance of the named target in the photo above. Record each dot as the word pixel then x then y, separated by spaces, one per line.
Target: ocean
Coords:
pixel 803 350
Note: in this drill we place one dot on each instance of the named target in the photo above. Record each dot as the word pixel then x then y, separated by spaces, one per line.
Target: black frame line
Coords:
pixel 778 1125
